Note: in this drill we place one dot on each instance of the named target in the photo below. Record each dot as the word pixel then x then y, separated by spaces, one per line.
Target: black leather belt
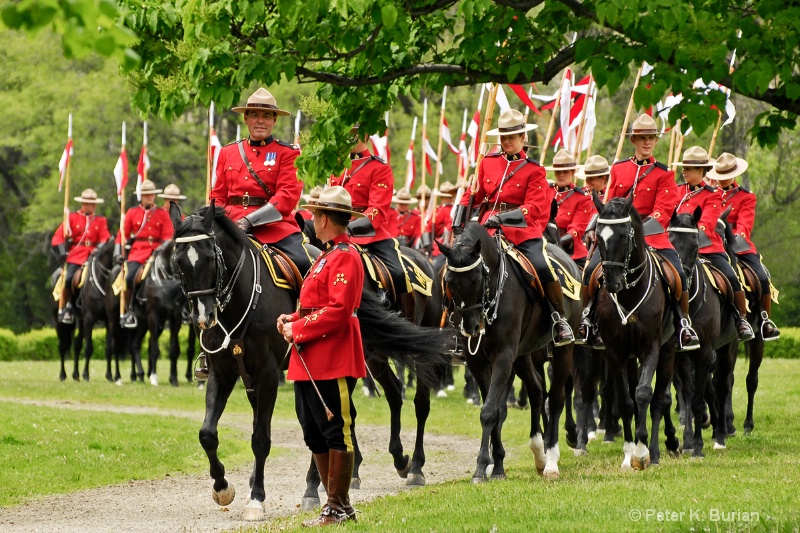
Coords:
pixel 502 207
pixel 151 240
pixel 247 200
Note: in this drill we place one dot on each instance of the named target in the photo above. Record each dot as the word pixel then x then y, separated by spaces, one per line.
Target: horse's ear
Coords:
pixel 553 209
pixel 698 213
pixel 208 219
pixel 724 216
pixel 175 215
pixel 628 202
pixel 598 204
pixel 446 250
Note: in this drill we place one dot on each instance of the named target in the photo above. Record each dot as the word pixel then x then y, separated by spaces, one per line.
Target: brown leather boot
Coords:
pixel 769 331
pixel 338 509
pixel 687 337
pixel 743 328
pixel 128 320
pixel 562 333
pixel 408 306
pixel 323 460
pixel 65 307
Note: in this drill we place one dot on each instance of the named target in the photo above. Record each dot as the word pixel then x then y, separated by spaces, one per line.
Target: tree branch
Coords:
pixel 520 6
pixel 427 10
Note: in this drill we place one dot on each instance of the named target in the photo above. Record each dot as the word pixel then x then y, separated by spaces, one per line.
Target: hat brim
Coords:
pixel 648 132
pixel 154 191
pixel 317 207
pixel 402 201
pixel 278 112
pixel 573 167
pixel 89 200
pixel 441 194
pixel 172 197
pixel 741 168
pixel 710 164
pixel 592 176
pixel 497 132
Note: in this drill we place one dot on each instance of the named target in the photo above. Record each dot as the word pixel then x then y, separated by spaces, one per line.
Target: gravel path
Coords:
pixel 184 504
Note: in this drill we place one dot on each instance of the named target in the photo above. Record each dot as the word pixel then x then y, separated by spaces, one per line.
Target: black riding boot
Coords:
pixel 743 328
pixel 562 333
pixel 687 337
pixel 769 331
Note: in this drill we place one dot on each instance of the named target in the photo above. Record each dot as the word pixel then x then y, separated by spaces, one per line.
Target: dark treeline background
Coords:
pixel 39 88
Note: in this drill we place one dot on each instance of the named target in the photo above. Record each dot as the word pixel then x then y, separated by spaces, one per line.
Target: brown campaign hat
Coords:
pixel 511 122
pixel 88 196
pixel 314 193
pixel 148 187
pixel 596 167
pixel 696 156
pixel 333 199
pixel 446 190
pixel 172 192
pixel 728 166
pixel 423 190
pixel 564 160
pixel 644 125
pixel 403 197
pixel 261 100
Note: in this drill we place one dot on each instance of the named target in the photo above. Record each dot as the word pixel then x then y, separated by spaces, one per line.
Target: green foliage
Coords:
pixel 8 345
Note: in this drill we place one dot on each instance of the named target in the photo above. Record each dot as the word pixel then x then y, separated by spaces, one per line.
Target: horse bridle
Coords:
pixel 626 271
pixel 694 267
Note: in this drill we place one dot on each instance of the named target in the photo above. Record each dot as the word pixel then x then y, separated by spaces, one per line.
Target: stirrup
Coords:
pixel 201 373
pixel 128 321
pixel 744 330
pixel 584 328
pixel 559 320
pixel 767 323
pixel 65 316
pixel 694 341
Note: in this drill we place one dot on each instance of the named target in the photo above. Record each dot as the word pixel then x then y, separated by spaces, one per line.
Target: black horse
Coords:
pixel 235 304
pixel 634 318
pixel 503 326
pixel 713 320
pixel 68 341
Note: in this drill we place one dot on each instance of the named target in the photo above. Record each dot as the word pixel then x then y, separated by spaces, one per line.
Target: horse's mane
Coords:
pixel 465 244
pixel 195 223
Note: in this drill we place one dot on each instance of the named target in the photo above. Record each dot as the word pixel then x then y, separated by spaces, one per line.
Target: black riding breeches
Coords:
pixel 721 263
pixel 319 433
pixel 754 262
pixel 388 251
pixel 534 251
pixel 672 256
pixel 130 275
pixel 294 247
pixel 71 269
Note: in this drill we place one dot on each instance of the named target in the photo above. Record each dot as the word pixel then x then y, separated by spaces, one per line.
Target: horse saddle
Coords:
pixel 669 275
pixel 379 273
pixel 282 269
pixel 718 281
pixel 570 287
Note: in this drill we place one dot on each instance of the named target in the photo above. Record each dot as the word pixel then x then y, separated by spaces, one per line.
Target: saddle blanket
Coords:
pixel 419 281
pixel 570 287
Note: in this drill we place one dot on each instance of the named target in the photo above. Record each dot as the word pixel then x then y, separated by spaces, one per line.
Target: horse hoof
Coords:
pixel 592 436
pixel 718 446
pixel 154 380
pixel 63 377
pixel 403 473
pixel 441 394
pixel 732 432
pixel 674 453
pixel 355 483
pixel 477 480
pixel 173 381
pixel 550 475
pixel 254 512
pixel 225 496
pixel 698 454
pixel 687 451
pixel 309 504
pixel 109 377
pixel 76 377
pixel 415 480
pixel 580 452
pixel 118 382
pixel 747 430
pixel 640 463
pixel 498 477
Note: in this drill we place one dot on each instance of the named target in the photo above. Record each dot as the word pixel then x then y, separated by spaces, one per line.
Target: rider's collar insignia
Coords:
pixel 265 142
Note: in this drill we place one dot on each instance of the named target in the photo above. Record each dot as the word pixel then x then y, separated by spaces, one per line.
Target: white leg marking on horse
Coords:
pixel 536 444
pixel 154 379
pixel 254 511
pixel 606 233
pixel 193 256
pixel 627 449
pixel 641 456
pixel 592 436
pixel 718 446
pixel 551 465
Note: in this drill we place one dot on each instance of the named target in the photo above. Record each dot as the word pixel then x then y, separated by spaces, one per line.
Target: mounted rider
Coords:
pixel 441 228
pixel 84 233
pixel 655 197
pixel 741 218
pixel 171 195
pixel 512 191
pixel 695 193
pixel 408 220
pixel 146 227
pixel 370 183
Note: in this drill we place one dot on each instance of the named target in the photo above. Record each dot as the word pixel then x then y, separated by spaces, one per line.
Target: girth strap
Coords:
pixel 237 345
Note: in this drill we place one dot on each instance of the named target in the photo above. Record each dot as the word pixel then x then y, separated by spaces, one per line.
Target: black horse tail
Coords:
pixel 388 335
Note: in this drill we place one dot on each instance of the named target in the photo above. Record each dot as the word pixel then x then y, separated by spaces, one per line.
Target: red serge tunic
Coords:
pixel 575 210
pixel 710 201
pixel 527 189
pixel 743 212
pixel 408 226
pixel 393 222
pixel 273 162
pixel 88 232
pixel 148 229
pixel 443 222
pixel 369 181
pixel 329 335
pixel 655 196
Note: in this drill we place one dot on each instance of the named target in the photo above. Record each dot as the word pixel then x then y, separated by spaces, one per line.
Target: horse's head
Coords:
pixel 619 234
pixel 467 278
pixel 684 236
pixel 550 232
pixel 105 254
pixel 199 262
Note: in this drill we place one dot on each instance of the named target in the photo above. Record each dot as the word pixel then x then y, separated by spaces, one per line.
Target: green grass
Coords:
pixel 51 451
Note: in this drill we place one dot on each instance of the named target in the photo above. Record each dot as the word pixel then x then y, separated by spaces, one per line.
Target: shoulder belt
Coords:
pixel 359 167
pixel 564 199
pixel 378 159
pixel 288 145
pixel 510 175
pixel 253 172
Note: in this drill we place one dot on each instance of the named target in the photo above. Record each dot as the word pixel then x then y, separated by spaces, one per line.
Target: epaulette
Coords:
pixel 551 185
pixel 234 142
pixel 532 160
pixel 343 246
pixel 680 183
pixel 378 159
pixel 496 154
pixel 709 188
pixel 661 165
pixel 288 145
pixel 745 190
pixel 580 190
pixel 621 161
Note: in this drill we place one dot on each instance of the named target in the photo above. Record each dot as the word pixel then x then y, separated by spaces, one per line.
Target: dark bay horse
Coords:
pixel 68 341
pixel 503 326
pixel 235 304
pixel 635 321
pixel 713 320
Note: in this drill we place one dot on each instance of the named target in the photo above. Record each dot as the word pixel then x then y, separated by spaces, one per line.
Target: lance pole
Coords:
pixel 552 124
pixel 209 155
pixel 487 124
pixel 624 128
pixel 65 225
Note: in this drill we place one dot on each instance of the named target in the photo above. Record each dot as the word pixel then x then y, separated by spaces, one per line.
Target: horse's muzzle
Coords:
pixel 204 317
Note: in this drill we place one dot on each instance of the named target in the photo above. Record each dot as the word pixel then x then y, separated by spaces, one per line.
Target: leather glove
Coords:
pixel 566 243
pixel 493 222
pixel 244 224
pixel 590 238
pixel 118 259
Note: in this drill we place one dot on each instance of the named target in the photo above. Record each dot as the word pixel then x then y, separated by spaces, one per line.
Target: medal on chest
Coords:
pixel 320 265
pixel 271 159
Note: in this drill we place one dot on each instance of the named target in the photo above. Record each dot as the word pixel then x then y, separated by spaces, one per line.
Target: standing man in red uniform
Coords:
pixel 695 193
pixel 408 222
pixel 575 207
pixel 513 188
pixel 146 227
pixel 370 182
pixel 257 181
pixel 85 233
pixel 741 218
pixel 327 356
pixel 655 197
